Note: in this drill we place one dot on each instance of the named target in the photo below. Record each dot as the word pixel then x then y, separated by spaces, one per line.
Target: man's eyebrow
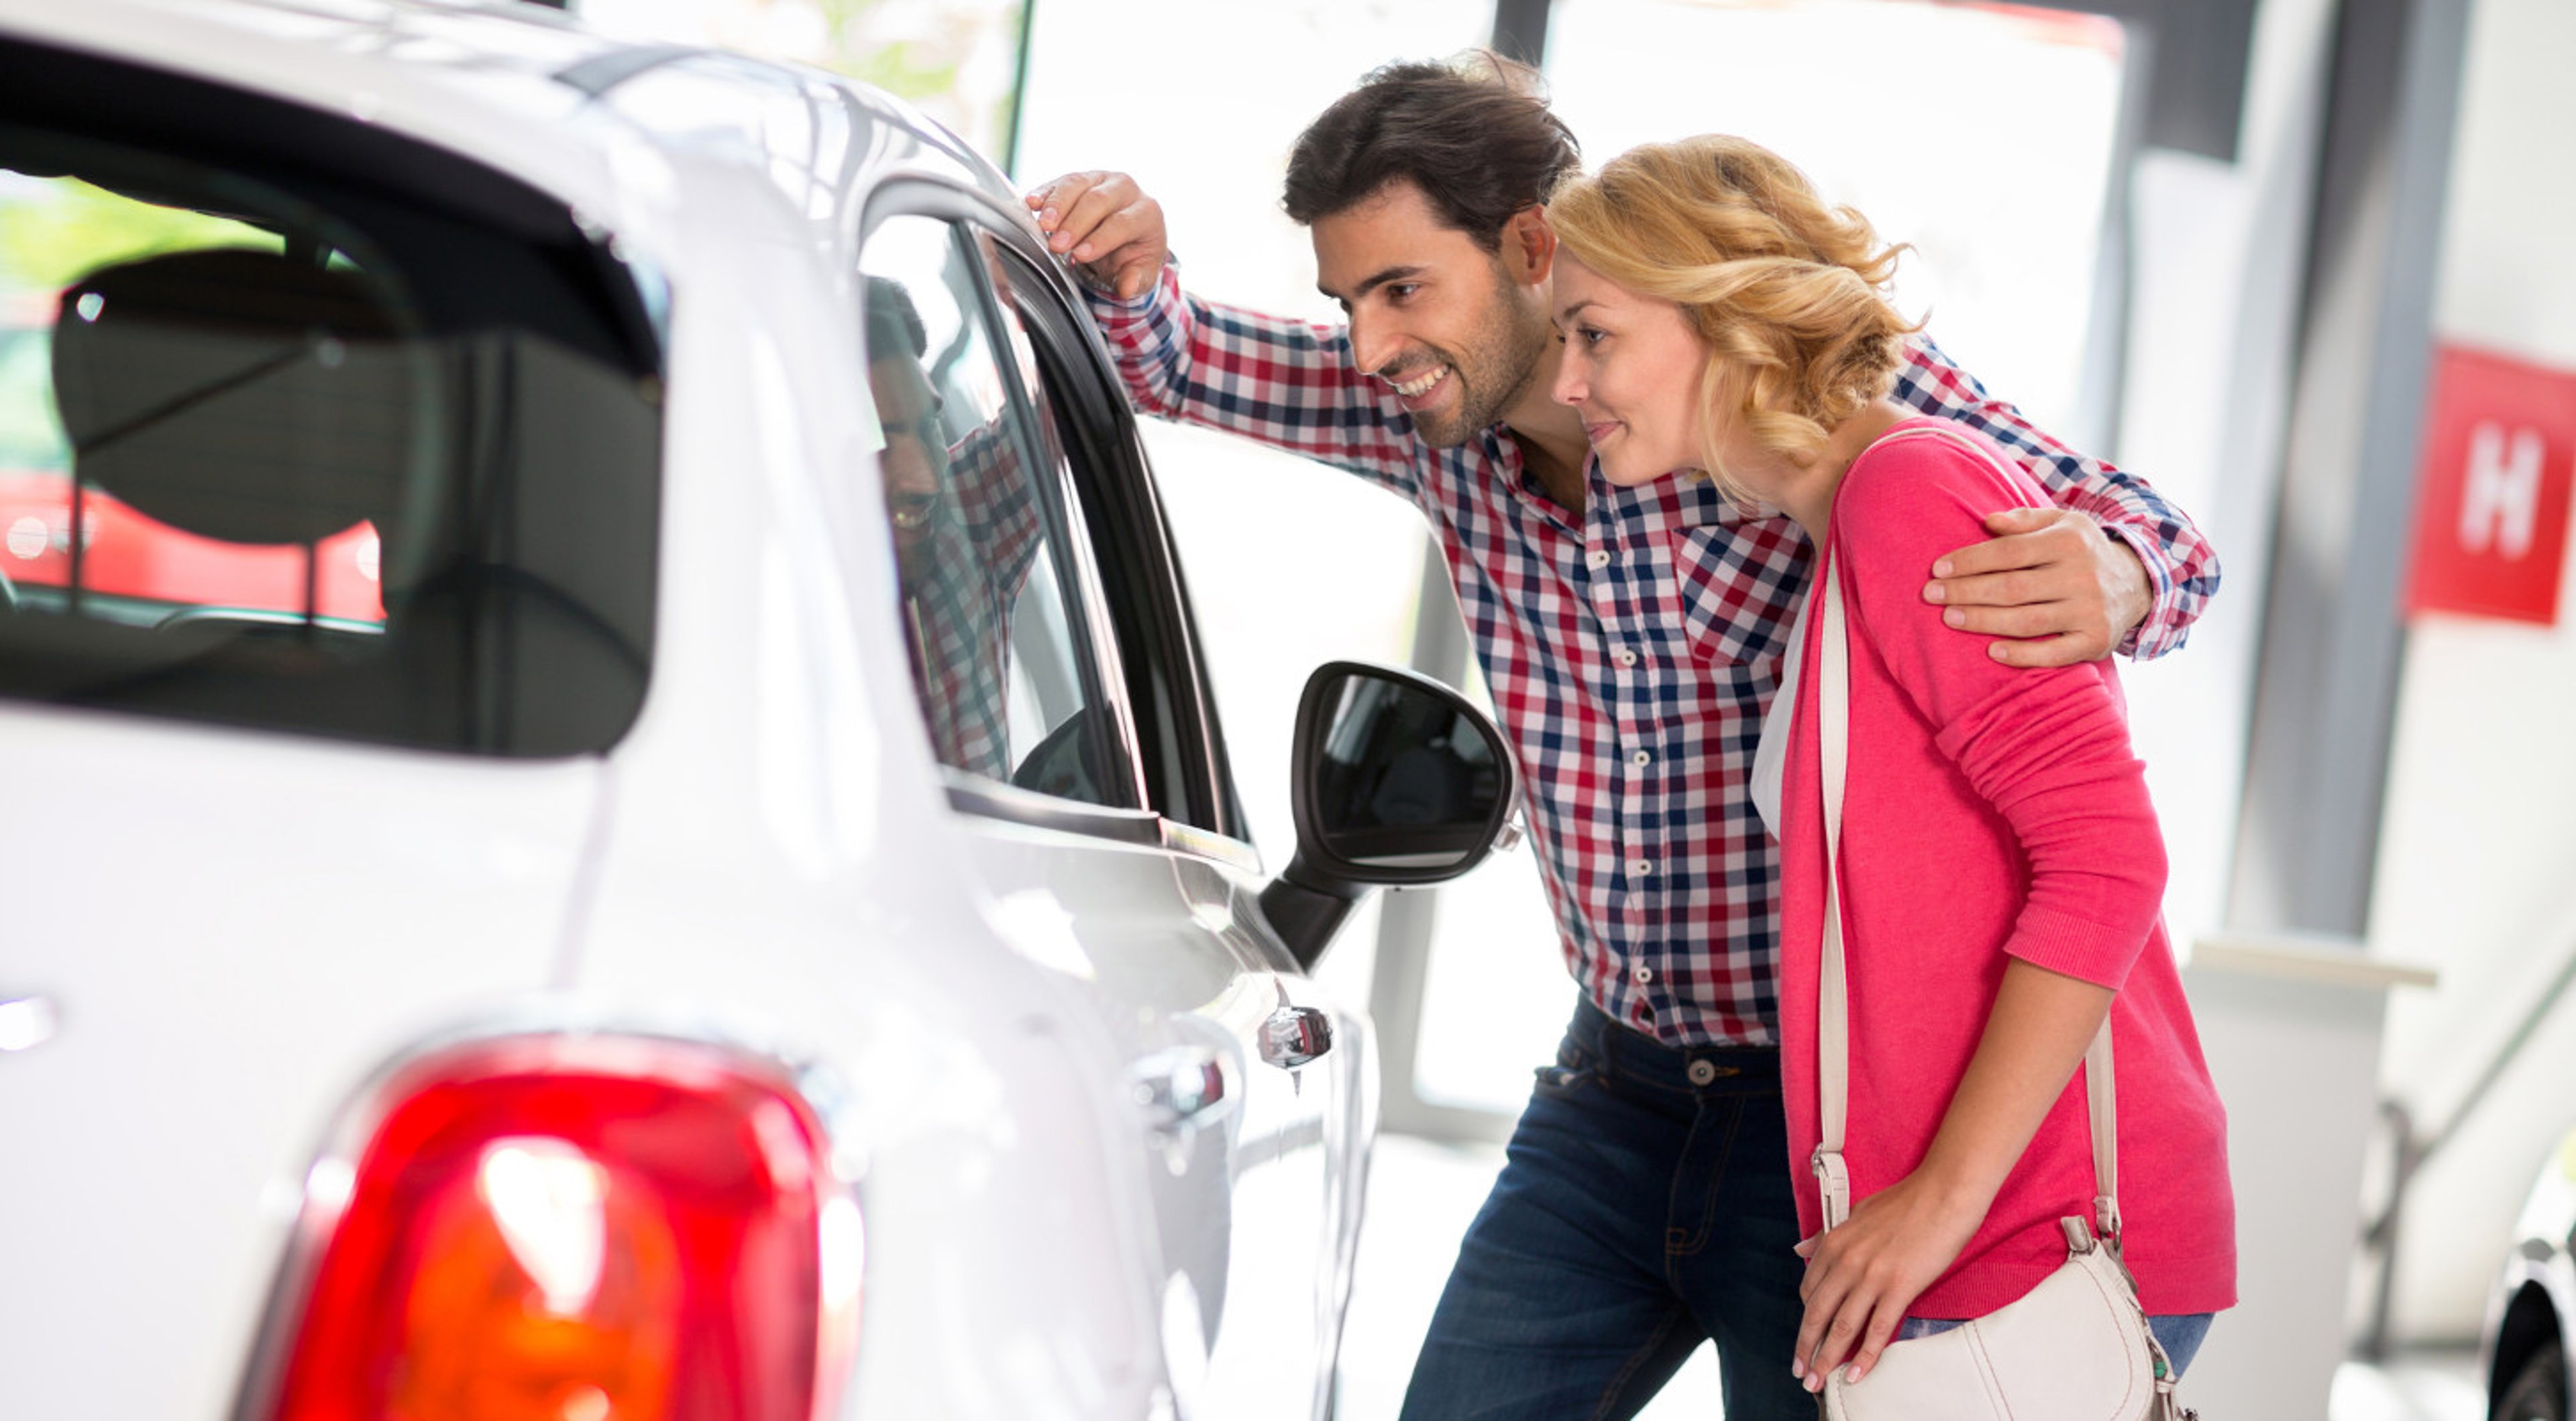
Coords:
pixel 1393 273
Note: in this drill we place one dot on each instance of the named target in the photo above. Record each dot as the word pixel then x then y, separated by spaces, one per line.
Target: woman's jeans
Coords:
pixel 1645 1203
pixel 2179 1333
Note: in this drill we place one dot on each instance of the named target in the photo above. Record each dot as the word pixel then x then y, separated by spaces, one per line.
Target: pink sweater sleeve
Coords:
pixel 2048 749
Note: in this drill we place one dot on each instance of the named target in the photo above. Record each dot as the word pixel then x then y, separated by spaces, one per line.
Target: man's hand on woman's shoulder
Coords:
pixel 2051 584
pixel 1106 226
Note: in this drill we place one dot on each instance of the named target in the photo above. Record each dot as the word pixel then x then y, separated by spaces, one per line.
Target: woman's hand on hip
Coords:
pixel 1864 1275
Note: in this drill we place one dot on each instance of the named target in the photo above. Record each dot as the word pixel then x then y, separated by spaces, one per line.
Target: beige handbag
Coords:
pixel 2075 1348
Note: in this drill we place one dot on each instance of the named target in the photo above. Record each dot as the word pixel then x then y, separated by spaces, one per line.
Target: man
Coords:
pixel 1632 638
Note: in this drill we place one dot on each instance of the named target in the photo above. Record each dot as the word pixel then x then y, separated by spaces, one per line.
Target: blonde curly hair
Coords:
pixel 1786 290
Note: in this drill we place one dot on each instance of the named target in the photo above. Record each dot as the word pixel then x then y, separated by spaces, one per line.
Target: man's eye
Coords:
pixel 1403 290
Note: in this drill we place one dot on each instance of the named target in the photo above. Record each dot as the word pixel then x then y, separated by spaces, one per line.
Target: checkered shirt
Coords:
pixel 1631 650
pixel 957 610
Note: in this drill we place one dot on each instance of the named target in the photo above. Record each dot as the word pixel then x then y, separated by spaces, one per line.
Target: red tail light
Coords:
pixel 575 1229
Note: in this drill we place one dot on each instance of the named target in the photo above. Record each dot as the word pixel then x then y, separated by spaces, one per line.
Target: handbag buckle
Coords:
pixel 2079 1236
pixel 1834 1182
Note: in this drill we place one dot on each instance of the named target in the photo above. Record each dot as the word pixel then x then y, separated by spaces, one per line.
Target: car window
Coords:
pixel 1083 408
pixel 283 454
pixel 999 614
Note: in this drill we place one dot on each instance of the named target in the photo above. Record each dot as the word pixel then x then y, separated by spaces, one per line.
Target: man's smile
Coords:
pixel 1417 390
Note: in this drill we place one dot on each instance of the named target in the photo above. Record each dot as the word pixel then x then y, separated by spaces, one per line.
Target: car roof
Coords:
pixel 519 87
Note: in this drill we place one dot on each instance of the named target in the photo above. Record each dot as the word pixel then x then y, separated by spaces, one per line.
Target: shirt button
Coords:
pixel 1642 973
pixel 1641 758
pixel 1597 559
pixel 1702 1072
pixel 1625 656
pixel 1639 868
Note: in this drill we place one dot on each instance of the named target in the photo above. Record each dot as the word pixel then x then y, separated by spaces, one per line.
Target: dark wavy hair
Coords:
pixel 1474 134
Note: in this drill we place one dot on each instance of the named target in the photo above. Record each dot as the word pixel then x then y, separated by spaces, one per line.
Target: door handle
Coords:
pixel 1181 1088
pixel 1295 1035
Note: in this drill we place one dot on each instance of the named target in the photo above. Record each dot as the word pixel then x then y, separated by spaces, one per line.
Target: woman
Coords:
pixel 2002 865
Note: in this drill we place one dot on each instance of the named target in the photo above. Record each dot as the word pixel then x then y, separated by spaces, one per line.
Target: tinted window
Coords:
pixel 284 453
pixel 1003 657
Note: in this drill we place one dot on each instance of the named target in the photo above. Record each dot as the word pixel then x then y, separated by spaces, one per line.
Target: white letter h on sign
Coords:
pixel 2502 501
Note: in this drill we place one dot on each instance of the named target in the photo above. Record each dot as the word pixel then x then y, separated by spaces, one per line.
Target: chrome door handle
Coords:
pixel 26 1023
pixel 1295 1035
pixel 1180 1088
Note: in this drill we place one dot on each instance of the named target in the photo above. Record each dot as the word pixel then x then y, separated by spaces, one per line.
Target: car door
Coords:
pixel 1049 657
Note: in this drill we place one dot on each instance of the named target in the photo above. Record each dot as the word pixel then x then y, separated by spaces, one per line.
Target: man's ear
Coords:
pixel 1529 246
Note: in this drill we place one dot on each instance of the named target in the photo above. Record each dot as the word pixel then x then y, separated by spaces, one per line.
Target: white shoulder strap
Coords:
pixel 1833 995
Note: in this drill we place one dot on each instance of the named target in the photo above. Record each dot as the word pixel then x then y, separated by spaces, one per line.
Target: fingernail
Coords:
pixel 1941 568
pixel 1995 649
pixel 1955 617
pixel 1083 251
pixel 1851 1375
pixel 1047 215
pixel 1935 592
pixel 1797 1366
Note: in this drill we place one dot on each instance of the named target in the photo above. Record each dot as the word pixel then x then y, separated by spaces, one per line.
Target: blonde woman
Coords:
pixel 2002 865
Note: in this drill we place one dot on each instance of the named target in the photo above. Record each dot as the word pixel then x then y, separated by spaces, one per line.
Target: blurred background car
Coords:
pixel 2534 1302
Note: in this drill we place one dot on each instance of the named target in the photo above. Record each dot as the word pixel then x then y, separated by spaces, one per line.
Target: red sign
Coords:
pixel 2491 514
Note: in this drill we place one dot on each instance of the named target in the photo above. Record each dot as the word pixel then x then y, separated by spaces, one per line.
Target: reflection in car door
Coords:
pixel 1017 655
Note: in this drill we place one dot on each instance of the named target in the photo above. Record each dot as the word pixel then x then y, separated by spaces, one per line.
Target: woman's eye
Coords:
pixel 1590 336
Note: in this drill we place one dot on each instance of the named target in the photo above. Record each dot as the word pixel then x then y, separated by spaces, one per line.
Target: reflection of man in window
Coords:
pixel 965 535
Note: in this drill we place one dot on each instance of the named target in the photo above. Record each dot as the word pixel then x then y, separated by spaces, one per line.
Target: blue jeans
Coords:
pixel 2179 1333
pixel 1645 1204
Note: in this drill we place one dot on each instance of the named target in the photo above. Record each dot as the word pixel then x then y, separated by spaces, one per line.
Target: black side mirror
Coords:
pixel 1399 782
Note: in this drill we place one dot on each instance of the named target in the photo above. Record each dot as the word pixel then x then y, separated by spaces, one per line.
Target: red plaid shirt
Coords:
pixel 1631 650
pixel 979 548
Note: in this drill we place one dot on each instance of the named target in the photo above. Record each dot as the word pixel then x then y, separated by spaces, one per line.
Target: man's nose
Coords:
pixel 1374 340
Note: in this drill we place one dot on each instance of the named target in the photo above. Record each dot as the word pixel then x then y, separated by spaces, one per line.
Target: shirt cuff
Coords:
pixel 1109 308
pixel 2155 633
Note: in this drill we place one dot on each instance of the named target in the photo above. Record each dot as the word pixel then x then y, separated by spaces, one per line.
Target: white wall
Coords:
pixel 2474 858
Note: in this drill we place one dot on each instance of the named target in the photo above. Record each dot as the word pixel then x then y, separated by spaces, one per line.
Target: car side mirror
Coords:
pixel 1397 782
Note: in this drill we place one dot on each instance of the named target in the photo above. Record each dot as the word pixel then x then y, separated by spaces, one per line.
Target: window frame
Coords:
pixel 1152 603
pixel 1141 623
pixel 1110 720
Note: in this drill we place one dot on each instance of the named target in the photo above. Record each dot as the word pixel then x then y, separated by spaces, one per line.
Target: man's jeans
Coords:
pixel 1646 1203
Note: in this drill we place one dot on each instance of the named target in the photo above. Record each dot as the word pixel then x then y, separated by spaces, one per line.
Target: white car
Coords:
pixel 613 811
pixel 2531 1311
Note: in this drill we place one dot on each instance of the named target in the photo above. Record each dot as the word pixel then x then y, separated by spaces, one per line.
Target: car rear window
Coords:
pixel 288 450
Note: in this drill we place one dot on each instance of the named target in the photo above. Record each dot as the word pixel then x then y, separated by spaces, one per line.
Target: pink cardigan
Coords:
pixel 1991 812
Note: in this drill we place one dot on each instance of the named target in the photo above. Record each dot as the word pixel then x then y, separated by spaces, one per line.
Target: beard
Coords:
pixel 1490 371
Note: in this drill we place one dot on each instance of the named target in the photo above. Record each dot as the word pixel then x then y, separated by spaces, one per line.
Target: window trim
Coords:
pixel 1204 816
pixel 1103 671
pixel 1129 508
pixel 1108 669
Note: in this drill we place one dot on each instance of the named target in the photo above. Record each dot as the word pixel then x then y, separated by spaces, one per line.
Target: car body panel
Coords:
pixel 216 997
pixel 2534 1296
pixel 240 928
